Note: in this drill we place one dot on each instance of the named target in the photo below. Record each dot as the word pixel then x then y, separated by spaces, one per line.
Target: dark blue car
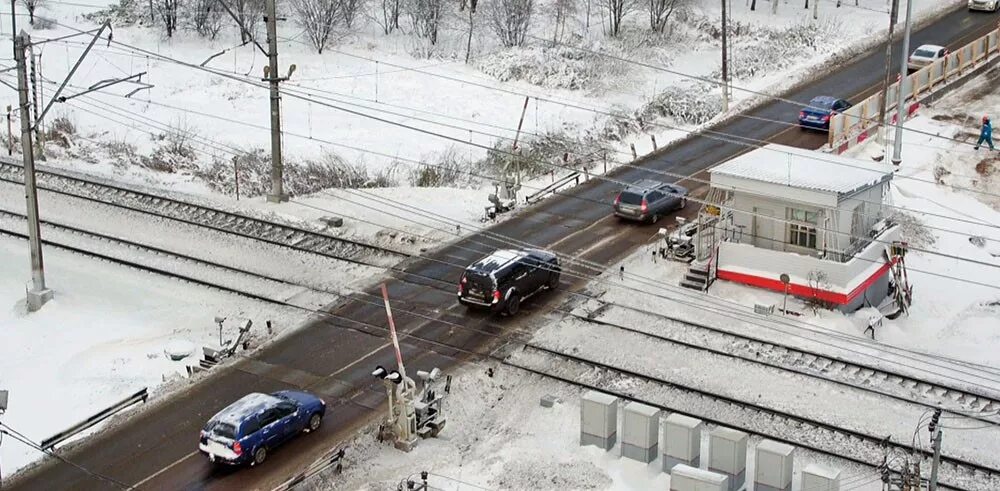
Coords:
pixel 819 111
pixel 247 429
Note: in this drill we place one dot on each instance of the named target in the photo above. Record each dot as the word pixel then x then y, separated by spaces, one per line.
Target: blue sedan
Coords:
pixel 247 429
pixel 819 111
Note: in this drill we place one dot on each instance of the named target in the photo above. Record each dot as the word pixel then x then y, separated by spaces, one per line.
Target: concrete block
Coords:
pixel 727 455
pixel 37 298
pixel 773 468
pixel 816 477
pixel 332 221
pixel 681 441
pixel 687 478
pixel 640 432
pixel 598 419
pixel 548 400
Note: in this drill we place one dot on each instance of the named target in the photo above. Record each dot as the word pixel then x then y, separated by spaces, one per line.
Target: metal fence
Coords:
pixel 857 123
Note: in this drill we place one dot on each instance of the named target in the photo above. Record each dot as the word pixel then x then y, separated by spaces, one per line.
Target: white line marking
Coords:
pixel 165 469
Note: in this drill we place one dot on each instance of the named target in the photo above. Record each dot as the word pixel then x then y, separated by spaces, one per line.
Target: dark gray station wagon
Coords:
pixel 648 200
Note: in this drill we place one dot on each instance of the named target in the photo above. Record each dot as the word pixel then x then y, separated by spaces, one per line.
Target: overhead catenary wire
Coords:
pixel 488 149
pixel 181 62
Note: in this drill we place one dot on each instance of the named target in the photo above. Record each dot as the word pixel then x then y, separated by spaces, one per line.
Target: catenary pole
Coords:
pixel 725 59
pixel 883 102
pixel 277 194
pixel 38 294
pixel 897 145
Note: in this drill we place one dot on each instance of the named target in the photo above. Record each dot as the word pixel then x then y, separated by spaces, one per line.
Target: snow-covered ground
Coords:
pixel 571 93
pixel 498 436
pixel 92 346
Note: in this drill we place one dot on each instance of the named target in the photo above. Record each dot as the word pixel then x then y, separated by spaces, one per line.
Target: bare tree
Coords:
pixel 660 12
pixel 31 5
pixel 472 4
pixel 425 15
pixel 206 17
pixel 617 10
pixel 349 10
pixel 168 12
pixel 390 15
pixel 561 10
pixel 510 19
pixel 318 18
pixel 249 13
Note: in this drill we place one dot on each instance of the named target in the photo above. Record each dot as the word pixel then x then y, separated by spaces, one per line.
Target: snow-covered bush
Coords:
pixel 538 155
pixel 309 176
pixel 767 50
pixel 123 13
pixel 60 130
pixel 552 67
pixel 449 169
pixel 692 104
pixel 121 153
pixel 174 151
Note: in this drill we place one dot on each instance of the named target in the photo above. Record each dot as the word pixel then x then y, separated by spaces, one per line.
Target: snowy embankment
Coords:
pixel 101 338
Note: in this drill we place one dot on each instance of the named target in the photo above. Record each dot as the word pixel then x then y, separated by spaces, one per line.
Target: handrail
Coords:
pixel 552 188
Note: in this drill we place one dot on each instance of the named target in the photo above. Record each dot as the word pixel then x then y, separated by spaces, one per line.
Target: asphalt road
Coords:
pixel 334 356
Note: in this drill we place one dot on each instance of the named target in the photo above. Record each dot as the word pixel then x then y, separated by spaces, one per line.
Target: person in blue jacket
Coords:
pixel 986 134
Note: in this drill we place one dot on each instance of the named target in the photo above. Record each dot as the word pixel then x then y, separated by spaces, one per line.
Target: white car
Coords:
pixel 925 55
pixel 987 5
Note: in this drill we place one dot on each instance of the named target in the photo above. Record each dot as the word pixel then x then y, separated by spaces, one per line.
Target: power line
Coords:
pixel 6 429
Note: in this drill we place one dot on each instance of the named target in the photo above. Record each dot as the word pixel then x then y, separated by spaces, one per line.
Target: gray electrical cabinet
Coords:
pixel 817 477
pixel 640 432
pixel 687 478
pixel 773 468
pixel 681 441
pixel 727 455
pixel 598 419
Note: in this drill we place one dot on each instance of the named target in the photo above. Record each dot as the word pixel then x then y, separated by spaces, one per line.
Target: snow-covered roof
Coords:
pixel 800 168
pixel 698 474
pixel 496 260
pixel 774 447
pixel 682 420
pixel 643 409
pixel 599 397
pixel 249 404
pixel 821 471
pixel 729 434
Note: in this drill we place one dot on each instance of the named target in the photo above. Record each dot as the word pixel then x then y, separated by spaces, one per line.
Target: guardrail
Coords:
pixel 554 187
pixel 856 124
pixel 62 436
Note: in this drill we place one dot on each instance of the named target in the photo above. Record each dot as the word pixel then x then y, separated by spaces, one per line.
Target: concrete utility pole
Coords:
pixel 893 14
pixel 897 145
pixel 277 194
pixel 37 293
pixel 725 59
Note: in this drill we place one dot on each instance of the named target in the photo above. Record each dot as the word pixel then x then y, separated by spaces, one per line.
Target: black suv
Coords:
pixel 502 280
pixel 648 200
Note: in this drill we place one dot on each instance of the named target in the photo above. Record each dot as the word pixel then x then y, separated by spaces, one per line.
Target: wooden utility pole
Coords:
pixel 901 112
pixel 277 194
pixel 893 14
pixel 37 293
pixel 725 59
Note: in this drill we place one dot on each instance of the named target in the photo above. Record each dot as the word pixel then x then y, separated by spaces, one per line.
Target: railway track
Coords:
pixel 818 436
pixel 187 268
pixel 968 401
pixel 810 434
pixel 271 232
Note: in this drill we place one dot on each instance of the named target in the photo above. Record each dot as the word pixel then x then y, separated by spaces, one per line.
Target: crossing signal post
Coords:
pixel 935 430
